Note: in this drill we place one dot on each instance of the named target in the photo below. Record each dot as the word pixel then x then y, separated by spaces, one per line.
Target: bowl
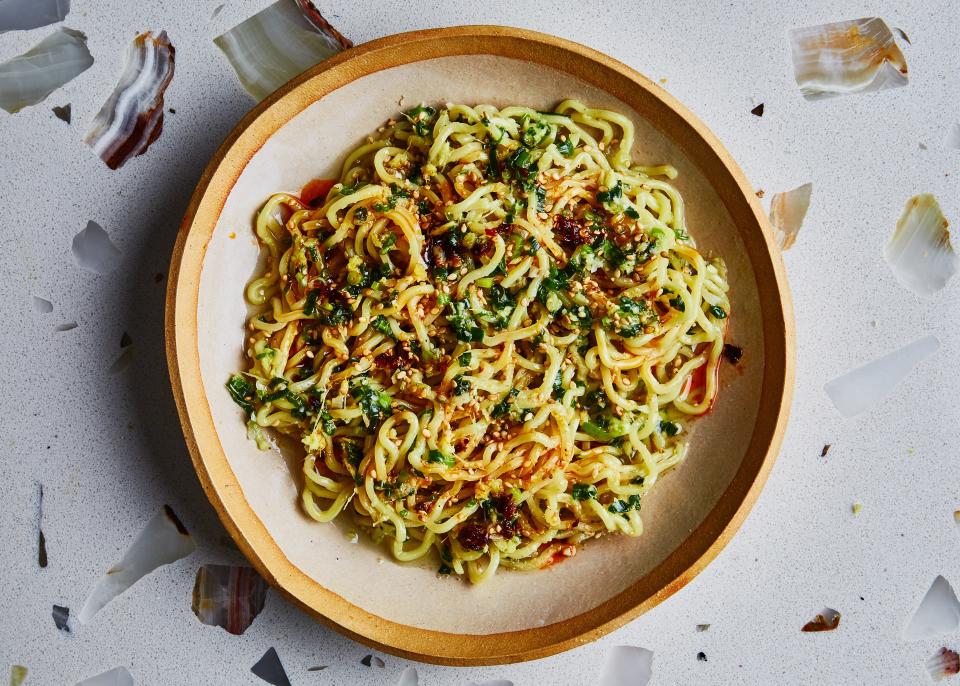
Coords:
pixel 302 132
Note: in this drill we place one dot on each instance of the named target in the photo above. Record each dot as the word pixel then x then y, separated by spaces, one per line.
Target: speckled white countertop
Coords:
pixel 108 449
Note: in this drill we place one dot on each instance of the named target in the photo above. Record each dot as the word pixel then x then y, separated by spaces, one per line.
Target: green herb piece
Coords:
pixel 632 213
pixel 336 313
pixel 718 312
pixel 326 422
pixel 503 407
pixel 541 195
pixel 584 491
pixel 421 117
pixel 387 243
pixel 461 321
pixel 534 131
pixel 605 429
pixel 445 570
pixel 373 403
pixel 493 160
pixel 465 358
pixel 611 195
pixel 381 324
pixel 618 506
pixel 519 160
pixel 242 393
pixel 360 214
pixel 436 456
pixel 460 385
pixel 670 428
pixel 310 306
pixel 565 148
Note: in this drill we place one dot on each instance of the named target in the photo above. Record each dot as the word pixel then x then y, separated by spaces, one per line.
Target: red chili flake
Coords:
pixel 505 506
pixel 733 353
pixel 570 233
pixel 473 536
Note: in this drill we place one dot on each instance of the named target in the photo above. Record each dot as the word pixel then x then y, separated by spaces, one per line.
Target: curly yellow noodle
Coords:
pixel 490 335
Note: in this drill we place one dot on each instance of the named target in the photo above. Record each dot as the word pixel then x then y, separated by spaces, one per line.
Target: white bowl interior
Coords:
pixel 313 145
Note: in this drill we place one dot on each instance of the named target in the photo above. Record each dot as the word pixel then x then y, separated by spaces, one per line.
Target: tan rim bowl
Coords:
pixel 302 131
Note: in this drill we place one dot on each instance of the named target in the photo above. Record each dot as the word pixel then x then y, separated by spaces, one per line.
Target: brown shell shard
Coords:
pixel 228 596
pixel 945 662
pixel 62 113
pixel 313 15
pixel 857 56
pixel 132 118
pixel 828 620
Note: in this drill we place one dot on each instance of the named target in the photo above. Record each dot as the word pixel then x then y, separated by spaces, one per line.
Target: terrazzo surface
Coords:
pixel 108 450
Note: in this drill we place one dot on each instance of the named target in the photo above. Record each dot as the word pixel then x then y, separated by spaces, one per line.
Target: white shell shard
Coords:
pixel 943 663
pixel 69 326
pixel 42 305
pixel 787 211
pixel 270 669
pixel 21 15
pixel 920 253
pixel 93 249
pixel 953 137
pixel 132 117
pixel 273 46
pixel 938 612
pixel 860 389
pixel 856 56
pixel 162 541
pixel 118 676
pixel 29 78
pixel 627 666
pixel 228 596
pixel 409 677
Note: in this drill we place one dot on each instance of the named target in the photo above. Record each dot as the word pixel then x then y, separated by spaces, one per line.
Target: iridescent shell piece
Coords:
pixel 162 541
pixel 118 676
pixel 132 118
pixel 787 211
pixel 29 78
pixel 856 56
pixel 228 596
pixel 273 46
pixel 93 249
pixel 919 252
pixel 864 387
pixel 627 666
pixel 21 15
pixel 938 612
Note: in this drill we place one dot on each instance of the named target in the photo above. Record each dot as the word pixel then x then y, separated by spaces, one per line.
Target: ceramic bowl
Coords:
pixel 302 132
